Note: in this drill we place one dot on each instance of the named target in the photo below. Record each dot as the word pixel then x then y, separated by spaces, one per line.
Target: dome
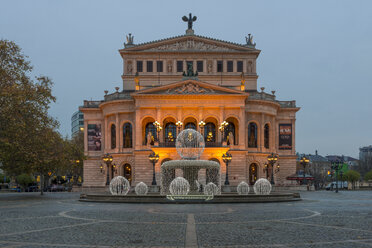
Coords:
pixel 190 144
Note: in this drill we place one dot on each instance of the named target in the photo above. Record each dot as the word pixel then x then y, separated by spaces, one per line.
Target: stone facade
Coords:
pixel 155 89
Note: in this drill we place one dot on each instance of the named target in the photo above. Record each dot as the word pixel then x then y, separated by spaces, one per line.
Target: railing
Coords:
pixel 118 96
pixel 287 104
pixel 91 104
pixel 173 144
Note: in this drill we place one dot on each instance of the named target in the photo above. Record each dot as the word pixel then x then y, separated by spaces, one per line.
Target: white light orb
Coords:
pixel 211 189
pixel 179 186
pixel 262 187
pixel 190 144
pixel 243 188
pixel 119 186
pixel 141 188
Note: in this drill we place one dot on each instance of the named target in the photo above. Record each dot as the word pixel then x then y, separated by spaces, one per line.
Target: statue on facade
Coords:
pixel 129 42
pixel 149 139
pixel 189 20
pixel 249 41
pixel 170 66
pixel 209 67
pixel 230 139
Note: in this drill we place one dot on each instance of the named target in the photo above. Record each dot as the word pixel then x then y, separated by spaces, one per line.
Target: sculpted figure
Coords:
pixel 129 67
pixel 209 67
pixel 231 138
pixel 169 66
pixel 149 139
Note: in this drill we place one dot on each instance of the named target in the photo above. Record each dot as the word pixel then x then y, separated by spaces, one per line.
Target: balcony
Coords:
pixel 173 144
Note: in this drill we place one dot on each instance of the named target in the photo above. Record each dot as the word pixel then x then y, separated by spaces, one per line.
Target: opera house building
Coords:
pixel 181 82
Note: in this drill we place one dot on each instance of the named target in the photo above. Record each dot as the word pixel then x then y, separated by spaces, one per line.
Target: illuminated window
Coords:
pixel 190 125
pixel 150 128
pixel 170 132
pixel 210 132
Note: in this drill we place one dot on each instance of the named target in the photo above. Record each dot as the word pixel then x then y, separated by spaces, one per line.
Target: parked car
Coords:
pixel 16 189
pixel 340 184
pixel 57 188
pixel 32 189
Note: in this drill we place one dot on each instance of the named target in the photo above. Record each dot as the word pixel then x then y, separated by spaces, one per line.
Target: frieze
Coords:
pixel 190 45
pixel 189 89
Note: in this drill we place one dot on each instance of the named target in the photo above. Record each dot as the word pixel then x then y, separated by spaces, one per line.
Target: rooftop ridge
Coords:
pixel 193 35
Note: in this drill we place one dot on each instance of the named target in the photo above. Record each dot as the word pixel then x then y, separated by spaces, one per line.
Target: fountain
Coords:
pixel 190 145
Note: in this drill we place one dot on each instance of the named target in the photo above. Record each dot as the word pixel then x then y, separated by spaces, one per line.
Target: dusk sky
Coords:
pixel 315 52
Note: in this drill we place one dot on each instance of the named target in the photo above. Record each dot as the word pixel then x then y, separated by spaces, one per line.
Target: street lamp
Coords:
pixel 271 159
pixel 154 158
pixel 226 157
pixel 107 158
pixel 179 125
pixel 336 166
pixel 158 129
pixel 222 128
pixel 304 161
pixel 201 125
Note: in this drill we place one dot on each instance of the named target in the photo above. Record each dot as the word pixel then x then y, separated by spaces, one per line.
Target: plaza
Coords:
pixel 321 219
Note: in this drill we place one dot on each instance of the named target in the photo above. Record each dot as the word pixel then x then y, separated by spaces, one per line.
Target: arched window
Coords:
pixel 210 132
pixel 113 136
pixel 252 135
pixel 127 135
pixel 170 132
pixel 190 125
pixel 230 129
pixel 267 136
pixel 150 128
pixel 252 173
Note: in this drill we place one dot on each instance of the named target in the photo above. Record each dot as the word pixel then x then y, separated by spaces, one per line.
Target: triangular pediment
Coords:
pixel 190 87
pixel 190 43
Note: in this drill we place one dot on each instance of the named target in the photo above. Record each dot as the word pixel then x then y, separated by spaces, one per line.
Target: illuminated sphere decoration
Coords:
pixel 119 186
pixel 179 186
pixel 262 187
pixel 243 188
pixel 190 144
pixel 141 188
pixel 211 189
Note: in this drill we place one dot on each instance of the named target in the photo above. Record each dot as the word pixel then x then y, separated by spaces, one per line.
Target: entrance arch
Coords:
pixel 127 172
pixel 253 173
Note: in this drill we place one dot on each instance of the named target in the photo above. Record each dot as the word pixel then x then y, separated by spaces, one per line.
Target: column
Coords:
pixel 104 134
pixel 137 129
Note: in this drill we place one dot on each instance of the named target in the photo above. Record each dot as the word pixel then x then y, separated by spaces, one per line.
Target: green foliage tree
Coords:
pixel 352 176
pixel 368 176
pixel 24 180
pixel 7 179
pixel 24 105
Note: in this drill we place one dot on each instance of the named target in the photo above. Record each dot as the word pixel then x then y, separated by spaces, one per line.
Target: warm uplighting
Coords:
pixel 81 129
pixel 202 124
pixel 304 159
pixel 272 158
pixel 226 157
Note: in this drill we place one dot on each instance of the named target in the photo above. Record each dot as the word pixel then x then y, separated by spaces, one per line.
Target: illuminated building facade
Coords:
pixel 188 81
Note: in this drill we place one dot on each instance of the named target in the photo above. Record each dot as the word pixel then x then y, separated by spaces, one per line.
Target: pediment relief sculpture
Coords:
pixel 189 89
pixel 190 45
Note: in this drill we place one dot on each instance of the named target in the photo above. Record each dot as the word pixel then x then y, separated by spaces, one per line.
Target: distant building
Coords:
pixel 365 159
pixel 77 123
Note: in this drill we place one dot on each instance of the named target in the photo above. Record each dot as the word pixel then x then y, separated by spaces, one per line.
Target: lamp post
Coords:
pixel 226 157
pixel 222 129
pixel 158 129
pixel 201 125
pixel 336 166
pixel 107 158
pixel 154 158
pixel 179 126
pixel 304 161
pixel 271 159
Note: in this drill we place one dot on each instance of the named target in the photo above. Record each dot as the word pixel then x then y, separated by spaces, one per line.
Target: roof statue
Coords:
pixel 130 39
pixel 249 41
pixel 189 21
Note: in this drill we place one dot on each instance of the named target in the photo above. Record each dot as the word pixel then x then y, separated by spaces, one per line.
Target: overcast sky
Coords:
pixel 315 52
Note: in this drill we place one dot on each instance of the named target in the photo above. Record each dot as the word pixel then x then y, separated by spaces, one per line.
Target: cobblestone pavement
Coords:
pixel 322 219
